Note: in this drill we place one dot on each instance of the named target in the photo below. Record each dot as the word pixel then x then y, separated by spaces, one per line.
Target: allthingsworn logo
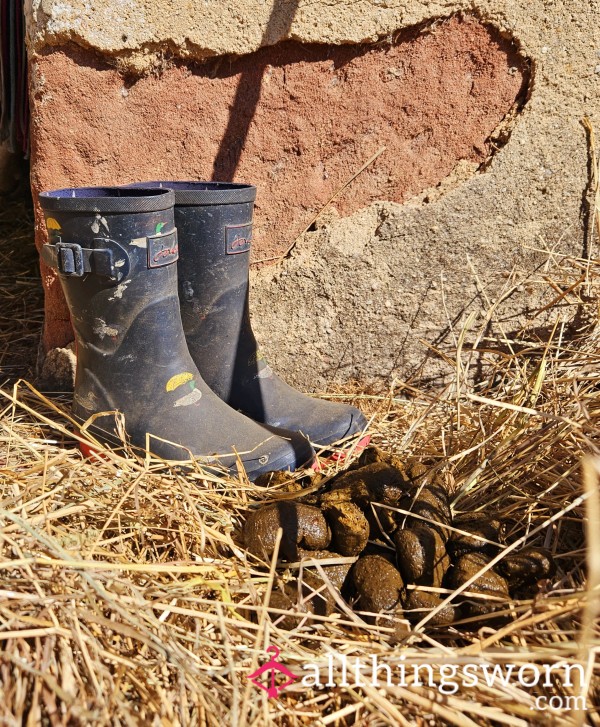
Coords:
pixel 162 249
pixel 238 238
pixel 272 677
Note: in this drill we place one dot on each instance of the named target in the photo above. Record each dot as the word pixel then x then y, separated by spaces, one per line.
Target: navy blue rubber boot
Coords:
pixel 214 223
pixel 116 252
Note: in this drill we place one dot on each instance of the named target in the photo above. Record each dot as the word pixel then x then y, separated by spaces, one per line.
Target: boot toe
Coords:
pixel 288 451
pixel 334 423
pixel 294 452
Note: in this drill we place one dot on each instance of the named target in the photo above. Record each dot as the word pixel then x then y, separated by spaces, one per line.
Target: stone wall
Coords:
pixel 467 117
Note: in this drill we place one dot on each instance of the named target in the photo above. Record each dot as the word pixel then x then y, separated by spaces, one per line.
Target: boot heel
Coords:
pixel 91 453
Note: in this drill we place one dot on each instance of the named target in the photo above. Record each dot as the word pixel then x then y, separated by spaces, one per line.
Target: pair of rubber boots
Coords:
pixel 156 279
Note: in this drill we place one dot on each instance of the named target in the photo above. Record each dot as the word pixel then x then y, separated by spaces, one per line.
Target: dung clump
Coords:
pixel 376 482
pixel 421 555
pixel 349 526
pixel 481 534
pixel 400 549
pixel 378 584
pixel 302 525
pixel 492 586
pixel 430 504
pixel 419 603
pixel 527 565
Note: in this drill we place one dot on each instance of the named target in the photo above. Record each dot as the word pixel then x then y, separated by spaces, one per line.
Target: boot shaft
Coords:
pixel 214 225
pixel 108 243
pixel 116 253
pixel 215 221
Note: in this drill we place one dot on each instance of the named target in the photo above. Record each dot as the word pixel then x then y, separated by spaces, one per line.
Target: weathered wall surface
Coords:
pixel 296 119
pixel 126 90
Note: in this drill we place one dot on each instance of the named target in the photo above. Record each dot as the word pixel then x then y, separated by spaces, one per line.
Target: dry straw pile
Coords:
pixel 127 598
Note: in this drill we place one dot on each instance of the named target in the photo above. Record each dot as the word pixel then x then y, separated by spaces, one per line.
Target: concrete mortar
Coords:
pixel 359 294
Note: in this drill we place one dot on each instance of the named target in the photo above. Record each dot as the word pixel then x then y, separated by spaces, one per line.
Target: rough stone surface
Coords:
pixel 59 366
pixel 359 294
pixel 142 32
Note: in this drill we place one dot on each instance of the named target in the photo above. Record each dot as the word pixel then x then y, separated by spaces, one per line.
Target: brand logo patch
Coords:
pixel 162 249
pixel 238 238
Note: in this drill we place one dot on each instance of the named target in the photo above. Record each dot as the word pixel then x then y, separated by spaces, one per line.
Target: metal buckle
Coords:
pixel 70 259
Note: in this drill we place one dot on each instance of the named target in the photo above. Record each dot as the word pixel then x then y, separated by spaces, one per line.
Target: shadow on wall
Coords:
pixel 250 81
pixel 247 96
pixel 303 118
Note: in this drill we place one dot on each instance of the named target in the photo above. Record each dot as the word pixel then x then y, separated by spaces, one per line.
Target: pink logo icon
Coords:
pixel 272 668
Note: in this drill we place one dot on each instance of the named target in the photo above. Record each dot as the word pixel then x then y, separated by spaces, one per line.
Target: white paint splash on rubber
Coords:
pixel 119 290
pixel 192 398
pixel 99 222
pixel 102 330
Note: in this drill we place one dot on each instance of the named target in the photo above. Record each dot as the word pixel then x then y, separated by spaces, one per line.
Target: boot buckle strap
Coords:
pixel 70 259
pixel 75 261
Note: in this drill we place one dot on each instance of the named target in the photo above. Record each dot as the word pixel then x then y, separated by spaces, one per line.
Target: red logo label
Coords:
pixel 238 238
pixel 162 249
